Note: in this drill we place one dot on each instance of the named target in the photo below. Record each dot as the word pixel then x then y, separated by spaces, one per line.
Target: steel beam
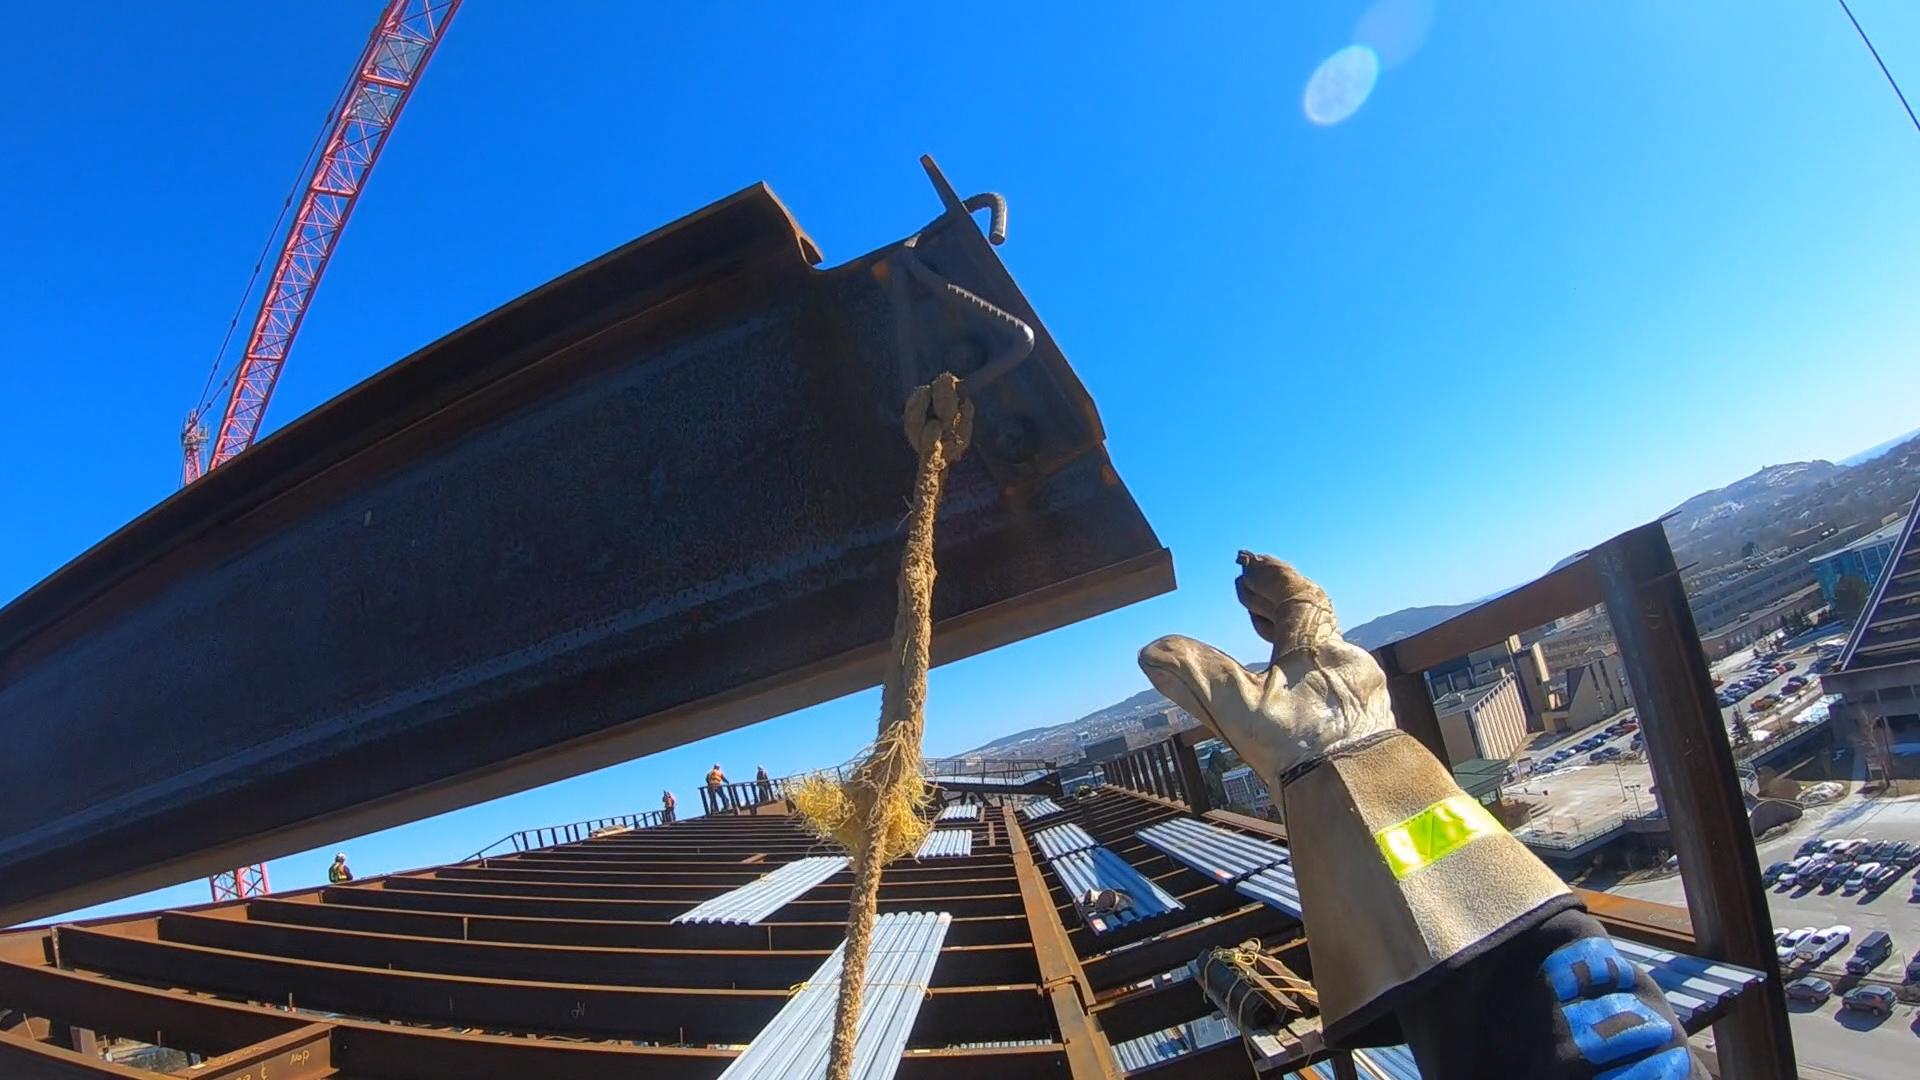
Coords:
pixel 757 969
pixel 966 930
pixel 651 501
pixel 1693 770
pixel 651 1014
pixel 25 1059
pixel 1068 993
pixel 826 911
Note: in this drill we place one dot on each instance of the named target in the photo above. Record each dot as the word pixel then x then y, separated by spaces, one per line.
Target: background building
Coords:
pixel 1595 690
pixel 1246 790
pixel 1526 666
pixel 1864 559
pixel 1878 677
pixel 1483 721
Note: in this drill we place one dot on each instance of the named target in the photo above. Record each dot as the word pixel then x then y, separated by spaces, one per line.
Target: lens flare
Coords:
pixel 1340 85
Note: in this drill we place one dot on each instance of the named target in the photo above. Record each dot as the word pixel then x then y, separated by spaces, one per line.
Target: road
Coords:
pixel 1870 1048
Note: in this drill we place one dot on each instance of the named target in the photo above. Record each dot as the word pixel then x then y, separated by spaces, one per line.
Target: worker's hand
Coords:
pixel 1320 690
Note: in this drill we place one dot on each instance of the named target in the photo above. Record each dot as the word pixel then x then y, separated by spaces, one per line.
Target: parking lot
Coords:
pixel 1578 796
pixel 1850 1043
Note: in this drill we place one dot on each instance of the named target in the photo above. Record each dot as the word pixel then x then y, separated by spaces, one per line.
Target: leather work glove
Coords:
pixel 1319 691
pixel 1419 906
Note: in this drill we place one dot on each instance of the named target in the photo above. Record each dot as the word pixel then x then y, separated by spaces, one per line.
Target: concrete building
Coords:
pixel 1245 789
pixel 1864 559
pixel 1577 639
pixel 1594 691
pixel 1526 665
pixel 1878 677
pixel 1104 749
pixel 1483 721
pixel 1754 625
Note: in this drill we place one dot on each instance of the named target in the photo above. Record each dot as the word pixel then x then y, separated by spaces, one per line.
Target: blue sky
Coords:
pixel 1567 265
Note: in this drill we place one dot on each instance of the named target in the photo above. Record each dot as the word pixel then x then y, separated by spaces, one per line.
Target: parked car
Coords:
pixel 1824 943
pixel 1810 988
pixel 1872 950
pixel 1788 944
pixel 1889 873
pixel 1809 847
pixel 1858 877
pixel 1913 967
pixel 1835 876
pixel 1789 665
pixel 1772 874
pixel 1870 999
pixel 1915 898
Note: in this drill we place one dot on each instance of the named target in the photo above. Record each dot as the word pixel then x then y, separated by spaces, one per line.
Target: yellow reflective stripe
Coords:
pixel 1434 833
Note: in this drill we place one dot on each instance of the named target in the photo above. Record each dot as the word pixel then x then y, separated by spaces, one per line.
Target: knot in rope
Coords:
pixel 938 419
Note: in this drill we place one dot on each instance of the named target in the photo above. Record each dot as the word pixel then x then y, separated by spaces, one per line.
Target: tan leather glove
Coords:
pixel 1403 878
pixel 1319 692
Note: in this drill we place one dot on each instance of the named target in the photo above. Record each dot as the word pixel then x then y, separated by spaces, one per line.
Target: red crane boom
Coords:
pixel 389 68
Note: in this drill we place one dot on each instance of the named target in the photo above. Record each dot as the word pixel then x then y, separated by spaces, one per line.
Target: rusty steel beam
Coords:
pixel 651 501
pixel 1692 761
pixel 966 930
pixel 762 969
pixel 1069 994
pixel 25 1059
pixel 691 893
pixel 480 903
pixel 646 1013
pixel 298 1055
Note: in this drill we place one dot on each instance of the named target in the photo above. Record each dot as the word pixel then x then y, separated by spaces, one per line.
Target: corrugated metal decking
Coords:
pixel 1177 1041
pixel 794 1046
pixel 1035 809
pixel 1220 854
pixel 946 844
pixel 1384 1062
pixel 765 895
pixel 1100 868
pixel 1062 839
pixel 960 812
pixel 1273 887
pixel 1697 988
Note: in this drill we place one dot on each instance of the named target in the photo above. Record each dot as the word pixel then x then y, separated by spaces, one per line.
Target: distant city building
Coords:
pixel 1483 721
pixel 1526 665
pixel 1577 639
pixel 1878 676
pixel 1595 690
pixel 1104 749
pixel 1246 789
pixel 1864 559
pixel 1755 625
pixel 1155 721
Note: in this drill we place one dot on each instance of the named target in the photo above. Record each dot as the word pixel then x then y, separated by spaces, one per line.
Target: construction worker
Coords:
pixel 764 783
pixel 338 873
pixel 716 789
pixel 1421 911
pixel 666 807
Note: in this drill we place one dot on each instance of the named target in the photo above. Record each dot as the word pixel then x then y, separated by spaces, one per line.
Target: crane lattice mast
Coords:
pixel 389 68
pixel 383 80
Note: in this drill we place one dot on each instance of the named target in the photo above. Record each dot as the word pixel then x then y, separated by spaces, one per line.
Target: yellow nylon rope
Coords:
pixel 877 813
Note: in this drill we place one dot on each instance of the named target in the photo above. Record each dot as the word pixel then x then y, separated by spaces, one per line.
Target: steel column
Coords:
pixel 1693 766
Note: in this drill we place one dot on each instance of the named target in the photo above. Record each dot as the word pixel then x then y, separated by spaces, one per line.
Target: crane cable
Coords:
pixel 1891 81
